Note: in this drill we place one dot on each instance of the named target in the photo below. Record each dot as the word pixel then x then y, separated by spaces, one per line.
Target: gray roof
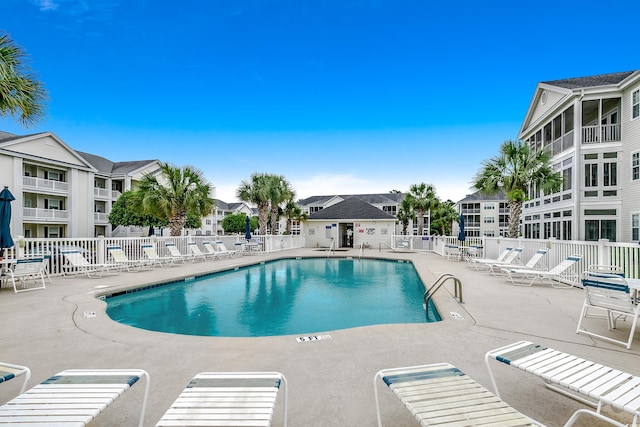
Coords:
pixel 480 197
pixel 107 166
pixel 379 198
pixel 352 208
pixel 591 81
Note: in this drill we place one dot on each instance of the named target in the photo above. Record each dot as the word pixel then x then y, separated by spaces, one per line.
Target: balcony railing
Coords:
pixel 100 217
pixel 101 192
pixel 600 133
pixel 44 214
pixel 31 182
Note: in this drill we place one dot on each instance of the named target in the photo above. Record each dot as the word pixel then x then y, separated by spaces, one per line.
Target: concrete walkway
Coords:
pixel 330 381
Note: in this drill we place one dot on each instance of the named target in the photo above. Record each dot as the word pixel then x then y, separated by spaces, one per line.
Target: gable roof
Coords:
pixel 378 198
pixel 480 197
pixel 352 208
pixel 106 166
pixel 591 81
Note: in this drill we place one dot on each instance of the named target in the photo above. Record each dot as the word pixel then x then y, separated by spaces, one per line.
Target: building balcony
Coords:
pixel 601 133
pixel 100 218
pixel 38 214
pixel 39 184
pixel 102 193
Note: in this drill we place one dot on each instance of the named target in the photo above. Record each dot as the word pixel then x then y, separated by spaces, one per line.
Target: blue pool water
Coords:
pixel 283 297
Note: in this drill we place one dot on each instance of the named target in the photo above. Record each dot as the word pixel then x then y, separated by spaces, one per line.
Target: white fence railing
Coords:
pixel 39 213
pixel 44 184
pixel 95 249
pixel 602 252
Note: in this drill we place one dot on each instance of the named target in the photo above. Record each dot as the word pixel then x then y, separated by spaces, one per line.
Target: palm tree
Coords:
pixel 444 216
pixel 406 212
pixel 172 194
pixel 257 191
pixel 424 199
pixel 293 212
pixel 22 96
pixel 280 191
pixel 515 170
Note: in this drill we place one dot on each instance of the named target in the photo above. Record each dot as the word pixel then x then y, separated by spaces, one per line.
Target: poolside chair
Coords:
pixel 441 394
pixel 196 252
pixel 610 294
pixel 175 253
pixel 153 257
pixel 556 276
pixel 588 382
pixel 478 263
pixel 122 260
pixel 78 264
pixel 9 371
pixel 210 250
pixel 452 252
pixel 24 270
pixel 72 397
pixel 533 262
pixel 512 258
pixel 227 399
pixel 223 251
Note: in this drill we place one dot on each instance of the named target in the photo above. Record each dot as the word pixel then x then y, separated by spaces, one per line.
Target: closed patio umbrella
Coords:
pixel 247 228
pixel 461 235
pixel 5 218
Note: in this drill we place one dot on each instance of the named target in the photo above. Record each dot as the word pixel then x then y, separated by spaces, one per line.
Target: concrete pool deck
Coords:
pixel 330 381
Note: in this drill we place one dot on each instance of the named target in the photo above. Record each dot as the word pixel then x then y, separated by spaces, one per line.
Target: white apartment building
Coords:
pixel 61 192
pixel 484 215
pixel 591 125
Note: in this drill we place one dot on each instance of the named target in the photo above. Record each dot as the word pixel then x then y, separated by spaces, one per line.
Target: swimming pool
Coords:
pixel 282 297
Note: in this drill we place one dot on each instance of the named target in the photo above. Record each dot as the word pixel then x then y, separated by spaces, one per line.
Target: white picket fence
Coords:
pixel 95 249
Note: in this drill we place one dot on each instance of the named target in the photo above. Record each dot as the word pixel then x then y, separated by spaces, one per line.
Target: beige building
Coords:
pixel 484 216
pixel 591 125
pixel 61 192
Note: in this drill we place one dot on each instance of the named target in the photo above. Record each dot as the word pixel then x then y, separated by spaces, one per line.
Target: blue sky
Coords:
pixel 339 96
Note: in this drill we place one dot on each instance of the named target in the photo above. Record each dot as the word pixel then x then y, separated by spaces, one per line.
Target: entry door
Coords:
pixel 346 240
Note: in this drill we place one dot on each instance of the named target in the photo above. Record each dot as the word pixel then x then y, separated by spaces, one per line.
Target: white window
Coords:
pixel 489 206
pixel 52 204
pixel 591 175
pixel 52 175
pixel 635 227
pixel 635 166
pixel 489 220
pixel 635 104
pixel 489 233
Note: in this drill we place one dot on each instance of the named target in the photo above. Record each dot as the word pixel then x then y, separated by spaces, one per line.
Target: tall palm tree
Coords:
pixel 406 212
pixel 172 193
pixel 424 199
pixel 22 96
pixel 280 191
pixel 514 171
pixel 257 191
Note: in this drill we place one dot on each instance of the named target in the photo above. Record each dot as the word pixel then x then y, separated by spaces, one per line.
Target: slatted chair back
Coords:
pixel 536 258
pixel 609 291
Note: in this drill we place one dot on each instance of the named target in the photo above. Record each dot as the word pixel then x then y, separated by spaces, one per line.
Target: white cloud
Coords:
pixel 46 5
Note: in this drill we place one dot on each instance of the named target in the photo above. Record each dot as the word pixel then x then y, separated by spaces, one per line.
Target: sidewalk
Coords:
pixel 330 381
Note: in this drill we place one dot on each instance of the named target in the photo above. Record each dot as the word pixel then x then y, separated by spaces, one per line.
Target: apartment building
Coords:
pixel 591 126
pixel 61 192
pixel 484 215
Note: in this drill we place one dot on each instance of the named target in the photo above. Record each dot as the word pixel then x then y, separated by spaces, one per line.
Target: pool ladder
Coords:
pixel 438 283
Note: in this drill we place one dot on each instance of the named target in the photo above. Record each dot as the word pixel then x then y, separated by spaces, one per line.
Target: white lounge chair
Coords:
pixel 176 254
pixel 78 264
pixel 533 262
pixel 10 371
pixel 610 294
pixel 228 399
pixel 440 394
pixel 196 252
pixel 72 398
pixel 478 263
pixel 153 257
pixel 588 382
pixel 223 251
pixel 122 260
pixel 25 270
pixel 211 251
pixel 557 276
pixel 512 259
